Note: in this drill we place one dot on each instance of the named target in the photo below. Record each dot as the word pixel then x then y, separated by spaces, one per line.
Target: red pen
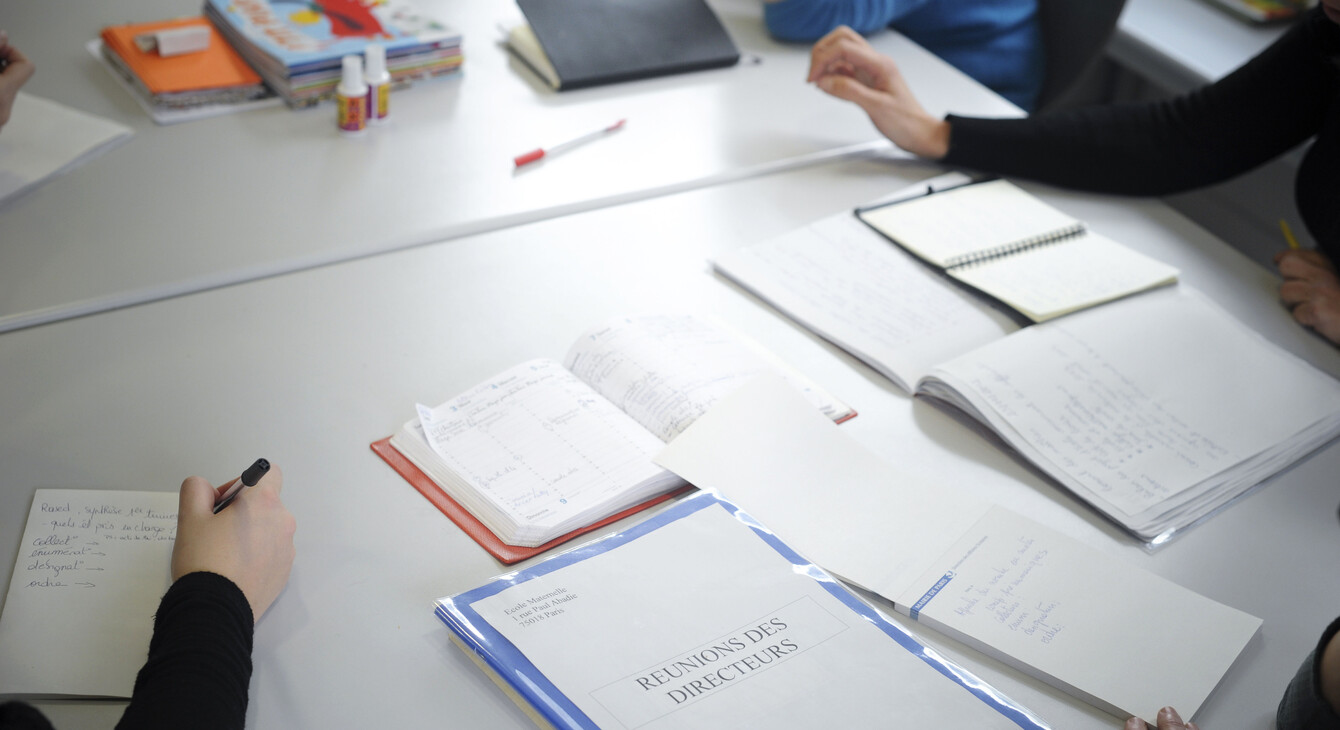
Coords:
pixel 542 152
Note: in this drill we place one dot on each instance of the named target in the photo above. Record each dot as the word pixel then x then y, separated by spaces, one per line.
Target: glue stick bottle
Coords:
pixel 351 98
pixel 379 84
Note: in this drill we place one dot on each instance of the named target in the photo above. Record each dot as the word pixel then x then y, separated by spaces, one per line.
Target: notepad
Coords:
pixel 998 239
pixel 1083 621
pixel 545 448
pixel 701 618
pixel 91 569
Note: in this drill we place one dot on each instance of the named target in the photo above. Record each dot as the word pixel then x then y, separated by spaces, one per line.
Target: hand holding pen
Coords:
pixel 249 543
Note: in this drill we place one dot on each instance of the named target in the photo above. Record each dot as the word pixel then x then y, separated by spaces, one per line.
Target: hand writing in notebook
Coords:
pixel 250 543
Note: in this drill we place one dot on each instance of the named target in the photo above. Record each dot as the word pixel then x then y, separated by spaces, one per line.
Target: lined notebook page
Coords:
pixel 540 445
pixel 92 567
pixel 841 280
pixel 967 220
pixel 1133 402
pixel 1062 277
pixel 666 370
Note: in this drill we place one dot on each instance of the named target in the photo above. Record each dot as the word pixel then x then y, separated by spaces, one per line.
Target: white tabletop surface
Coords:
pixel 309 368
pixel 1182 44
pixel 227 199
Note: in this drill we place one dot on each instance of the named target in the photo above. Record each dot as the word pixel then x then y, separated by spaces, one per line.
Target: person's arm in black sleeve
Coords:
pixel 199 664
pixel 1263 109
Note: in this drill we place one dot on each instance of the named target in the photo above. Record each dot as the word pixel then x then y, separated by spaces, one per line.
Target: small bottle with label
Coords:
pixel 379 84
pixel 351 97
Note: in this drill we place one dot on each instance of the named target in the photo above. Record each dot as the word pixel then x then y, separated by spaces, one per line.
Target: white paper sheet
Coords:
pixel 43 138
pixel 847 284
pixel 92 567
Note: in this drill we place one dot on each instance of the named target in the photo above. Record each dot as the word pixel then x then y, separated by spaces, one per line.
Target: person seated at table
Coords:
pixel 997 42
pixel 15 70
pixel 1276 101
pixel 227 569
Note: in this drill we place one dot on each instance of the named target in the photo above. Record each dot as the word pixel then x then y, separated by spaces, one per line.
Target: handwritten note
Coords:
pixel 541 446
pixel 844 281
pixel 91 568
pixel 1064 612
pixel 667 370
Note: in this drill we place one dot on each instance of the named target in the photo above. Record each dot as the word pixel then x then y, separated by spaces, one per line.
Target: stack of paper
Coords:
pixel 216 75
pixel 1157 410
pixel 297 47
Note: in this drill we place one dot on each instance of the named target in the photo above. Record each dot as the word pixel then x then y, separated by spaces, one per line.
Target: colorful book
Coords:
pixel 297 46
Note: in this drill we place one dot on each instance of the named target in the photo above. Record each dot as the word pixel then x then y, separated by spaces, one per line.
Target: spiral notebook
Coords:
pixel 998 239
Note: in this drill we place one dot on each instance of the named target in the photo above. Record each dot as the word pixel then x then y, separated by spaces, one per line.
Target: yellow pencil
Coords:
pixel 1288 234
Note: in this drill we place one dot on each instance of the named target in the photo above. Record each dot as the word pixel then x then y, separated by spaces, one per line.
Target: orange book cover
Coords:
pixel 505 553
pixel 218 66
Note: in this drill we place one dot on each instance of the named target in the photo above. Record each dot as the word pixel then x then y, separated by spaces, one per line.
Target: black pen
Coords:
pixel 249 478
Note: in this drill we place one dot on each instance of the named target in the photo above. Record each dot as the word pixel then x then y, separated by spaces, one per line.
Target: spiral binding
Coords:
pixel 976 258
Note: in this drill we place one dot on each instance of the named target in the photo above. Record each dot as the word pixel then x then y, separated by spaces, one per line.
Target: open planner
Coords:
pixel 699 617
pixel 545 448
pixel 1128 405
pixel 1087 623
pixel 1009 245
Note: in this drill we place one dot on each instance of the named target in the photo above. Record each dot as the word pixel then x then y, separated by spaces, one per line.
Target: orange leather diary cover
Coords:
pixel 218 66
pixel 507 554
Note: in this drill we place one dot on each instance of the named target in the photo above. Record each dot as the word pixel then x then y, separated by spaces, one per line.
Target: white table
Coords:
pixel 1182 44
pixel 307 369
pixel 228 199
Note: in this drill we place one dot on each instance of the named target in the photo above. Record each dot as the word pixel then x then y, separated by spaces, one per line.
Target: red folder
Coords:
pixel 507 554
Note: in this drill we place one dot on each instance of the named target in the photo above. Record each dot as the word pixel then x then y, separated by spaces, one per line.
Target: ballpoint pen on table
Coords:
pixel 542 152
pixel 249 478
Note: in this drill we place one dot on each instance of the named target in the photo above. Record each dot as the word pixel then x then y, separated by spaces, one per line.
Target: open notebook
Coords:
pixel 544 448
pixel 998 239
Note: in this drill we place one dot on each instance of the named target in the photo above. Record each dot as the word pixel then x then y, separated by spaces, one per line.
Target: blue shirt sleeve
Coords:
pixel 810 20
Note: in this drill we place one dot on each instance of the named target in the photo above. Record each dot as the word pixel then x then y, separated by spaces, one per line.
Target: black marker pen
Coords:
pixel 249 478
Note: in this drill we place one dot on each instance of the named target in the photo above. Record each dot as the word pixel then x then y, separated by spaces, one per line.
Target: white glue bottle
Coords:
pixel 351 98
pixel 379 84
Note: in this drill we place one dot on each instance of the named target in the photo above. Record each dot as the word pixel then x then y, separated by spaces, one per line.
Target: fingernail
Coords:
pixel 1135 723
pixel 1168 714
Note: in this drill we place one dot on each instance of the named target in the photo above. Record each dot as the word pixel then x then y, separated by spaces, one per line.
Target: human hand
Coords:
pixel 844 65
pixel 15 70
pixel 250 543
pixel 1168 719
pixel 1311 290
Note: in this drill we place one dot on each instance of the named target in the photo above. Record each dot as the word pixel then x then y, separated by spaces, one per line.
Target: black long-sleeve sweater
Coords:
pixel 1281 98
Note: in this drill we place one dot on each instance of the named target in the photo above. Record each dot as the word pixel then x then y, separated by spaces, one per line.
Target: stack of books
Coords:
pixel 216 75
pixel 297 47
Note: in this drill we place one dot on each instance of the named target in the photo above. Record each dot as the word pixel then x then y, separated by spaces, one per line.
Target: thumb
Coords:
pixel 196 499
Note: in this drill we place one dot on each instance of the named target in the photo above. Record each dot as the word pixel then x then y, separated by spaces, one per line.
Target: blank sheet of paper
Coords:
pixel 91 569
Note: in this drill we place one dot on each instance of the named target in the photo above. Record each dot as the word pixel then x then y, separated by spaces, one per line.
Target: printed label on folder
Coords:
pixel 719 665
